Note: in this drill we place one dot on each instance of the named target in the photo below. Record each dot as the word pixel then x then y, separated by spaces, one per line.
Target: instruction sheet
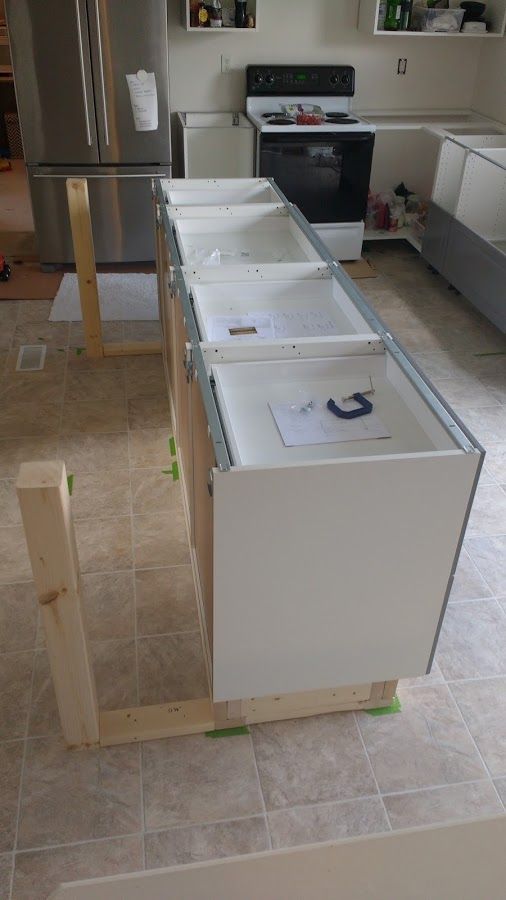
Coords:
pixel 301 424
pixel 144 100
pixel 294 324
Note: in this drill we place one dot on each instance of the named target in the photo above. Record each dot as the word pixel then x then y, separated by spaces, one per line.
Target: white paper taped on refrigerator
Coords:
pixel 144 100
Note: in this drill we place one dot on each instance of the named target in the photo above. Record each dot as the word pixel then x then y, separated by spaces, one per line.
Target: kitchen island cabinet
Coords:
pixel 322 568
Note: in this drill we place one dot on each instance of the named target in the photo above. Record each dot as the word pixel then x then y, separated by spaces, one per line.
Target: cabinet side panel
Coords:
pixel 333 574
pixel 203 464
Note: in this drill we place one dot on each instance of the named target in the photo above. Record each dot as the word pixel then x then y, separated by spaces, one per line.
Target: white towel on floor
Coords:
pixel 128 295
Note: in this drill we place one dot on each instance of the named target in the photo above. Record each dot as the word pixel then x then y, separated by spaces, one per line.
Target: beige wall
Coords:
pixel 490 88
pixel 441 73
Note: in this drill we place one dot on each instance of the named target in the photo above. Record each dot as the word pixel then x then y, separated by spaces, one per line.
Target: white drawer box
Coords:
pixel 199 193
pixel 254 239
pixel 285 319
pixel 244 391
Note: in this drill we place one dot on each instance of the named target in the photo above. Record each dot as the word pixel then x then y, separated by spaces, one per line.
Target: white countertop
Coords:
pixel 441 122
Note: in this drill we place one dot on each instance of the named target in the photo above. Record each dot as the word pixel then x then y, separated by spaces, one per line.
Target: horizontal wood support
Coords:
pixel 133 348
pixel 147 723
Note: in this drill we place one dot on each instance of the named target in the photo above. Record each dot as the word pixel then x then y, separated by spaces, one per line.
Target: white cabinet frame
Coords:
pixel 329 572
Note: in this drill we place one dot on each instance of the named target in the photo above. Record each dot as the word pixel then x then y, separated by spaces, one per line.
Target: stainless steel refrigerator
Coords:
pixel 71 59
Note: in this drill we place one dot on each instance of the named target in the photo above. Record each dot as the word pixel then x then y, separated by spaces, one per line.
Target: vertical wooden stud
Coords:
pixel 84 252
pixel 45 508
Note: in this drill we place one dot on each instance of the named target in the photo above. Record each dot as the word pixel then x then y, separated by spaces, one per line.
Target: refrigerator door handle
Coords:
pixel 102 78
pixel 83 73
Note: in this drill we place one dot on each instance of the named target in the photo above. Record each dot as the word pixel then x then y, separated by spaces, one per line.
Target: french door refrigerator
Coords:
pixel 70 60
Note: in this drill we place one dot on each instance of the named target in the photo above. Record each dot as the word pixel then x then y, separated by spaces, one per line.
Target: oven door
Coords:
pixel 326 176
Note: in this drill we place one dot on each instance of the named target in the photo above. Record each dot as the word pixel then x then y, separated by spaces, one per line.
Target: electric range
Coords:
pixel 315 147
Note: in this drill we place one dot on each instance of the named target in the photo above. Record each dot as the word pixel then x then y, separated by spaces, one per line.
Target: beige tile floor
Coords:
pixel 65 816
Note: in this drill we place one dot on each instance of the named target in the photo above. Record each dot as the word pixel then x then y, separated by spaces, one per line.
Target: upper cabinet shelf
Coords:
pixel 495 15
pixel 228 18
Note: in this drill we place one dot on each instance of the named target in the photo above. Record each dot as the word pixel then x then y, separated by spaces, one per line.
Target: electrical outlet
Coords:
pixel 226 64
pixel 402 66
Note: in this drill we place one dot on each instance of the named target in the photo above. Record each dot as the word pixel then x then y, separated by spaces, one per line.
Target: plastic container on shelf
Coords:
pixel 447 21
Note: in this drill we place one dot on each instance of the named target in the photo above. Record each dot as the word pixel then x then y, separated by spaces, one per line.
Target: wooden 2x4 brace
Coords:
pixel 44 499
pixel 84 253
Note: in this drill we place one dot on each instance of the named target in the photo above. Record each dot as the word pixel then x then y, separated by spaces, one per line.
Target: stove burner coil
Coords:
pixel 280 120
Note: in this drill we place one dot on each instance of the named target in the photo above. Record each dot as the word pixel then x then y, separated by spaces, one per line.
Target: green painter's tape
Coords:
pixel 497 353
pixel 70 482
pixel 228 732
pixel 172 446
pixel 395 707
pixel 174 471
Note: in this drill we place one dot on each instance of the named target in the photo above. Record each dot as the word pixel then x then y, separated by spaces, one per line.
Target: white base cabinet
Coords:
pixel 215 145
pixel 465 239
pixel 322 565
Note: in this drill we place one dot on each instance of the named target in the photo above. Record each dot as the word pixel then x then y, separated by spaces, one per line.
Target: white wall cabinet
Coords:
pixel 322 565
pixel 495 15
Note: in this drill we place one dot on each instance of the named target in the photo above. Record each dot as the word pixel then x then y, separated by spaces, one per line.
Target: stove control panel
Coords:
pixel 296 81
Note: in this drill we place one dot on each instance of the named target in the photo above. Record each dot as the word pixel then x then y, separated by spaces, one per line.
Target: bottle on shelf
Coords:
pixel 203 15
pixel 240 13
pixel 215 12
pixel 382 14
pixel 194 13
pixel 406 10
pixel 393 16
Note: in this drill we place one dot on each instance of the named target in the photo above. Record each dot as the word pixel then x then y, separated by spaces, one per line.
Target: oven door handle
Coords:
pixel 299 141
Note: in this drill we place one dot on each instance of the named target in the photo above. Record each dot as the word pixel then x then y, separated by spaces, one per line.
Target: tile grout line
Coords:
pixel 140 834
pixel 95 840
pixel 101 571
pixel 22 771
pixel 476 564
pixel 136 641
pixel 373 773
pixel 264 806
pixel 447 681
pixel 475 745
pixel 32 681
pixel 438 787
pixel 472 600
pixel 115 640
